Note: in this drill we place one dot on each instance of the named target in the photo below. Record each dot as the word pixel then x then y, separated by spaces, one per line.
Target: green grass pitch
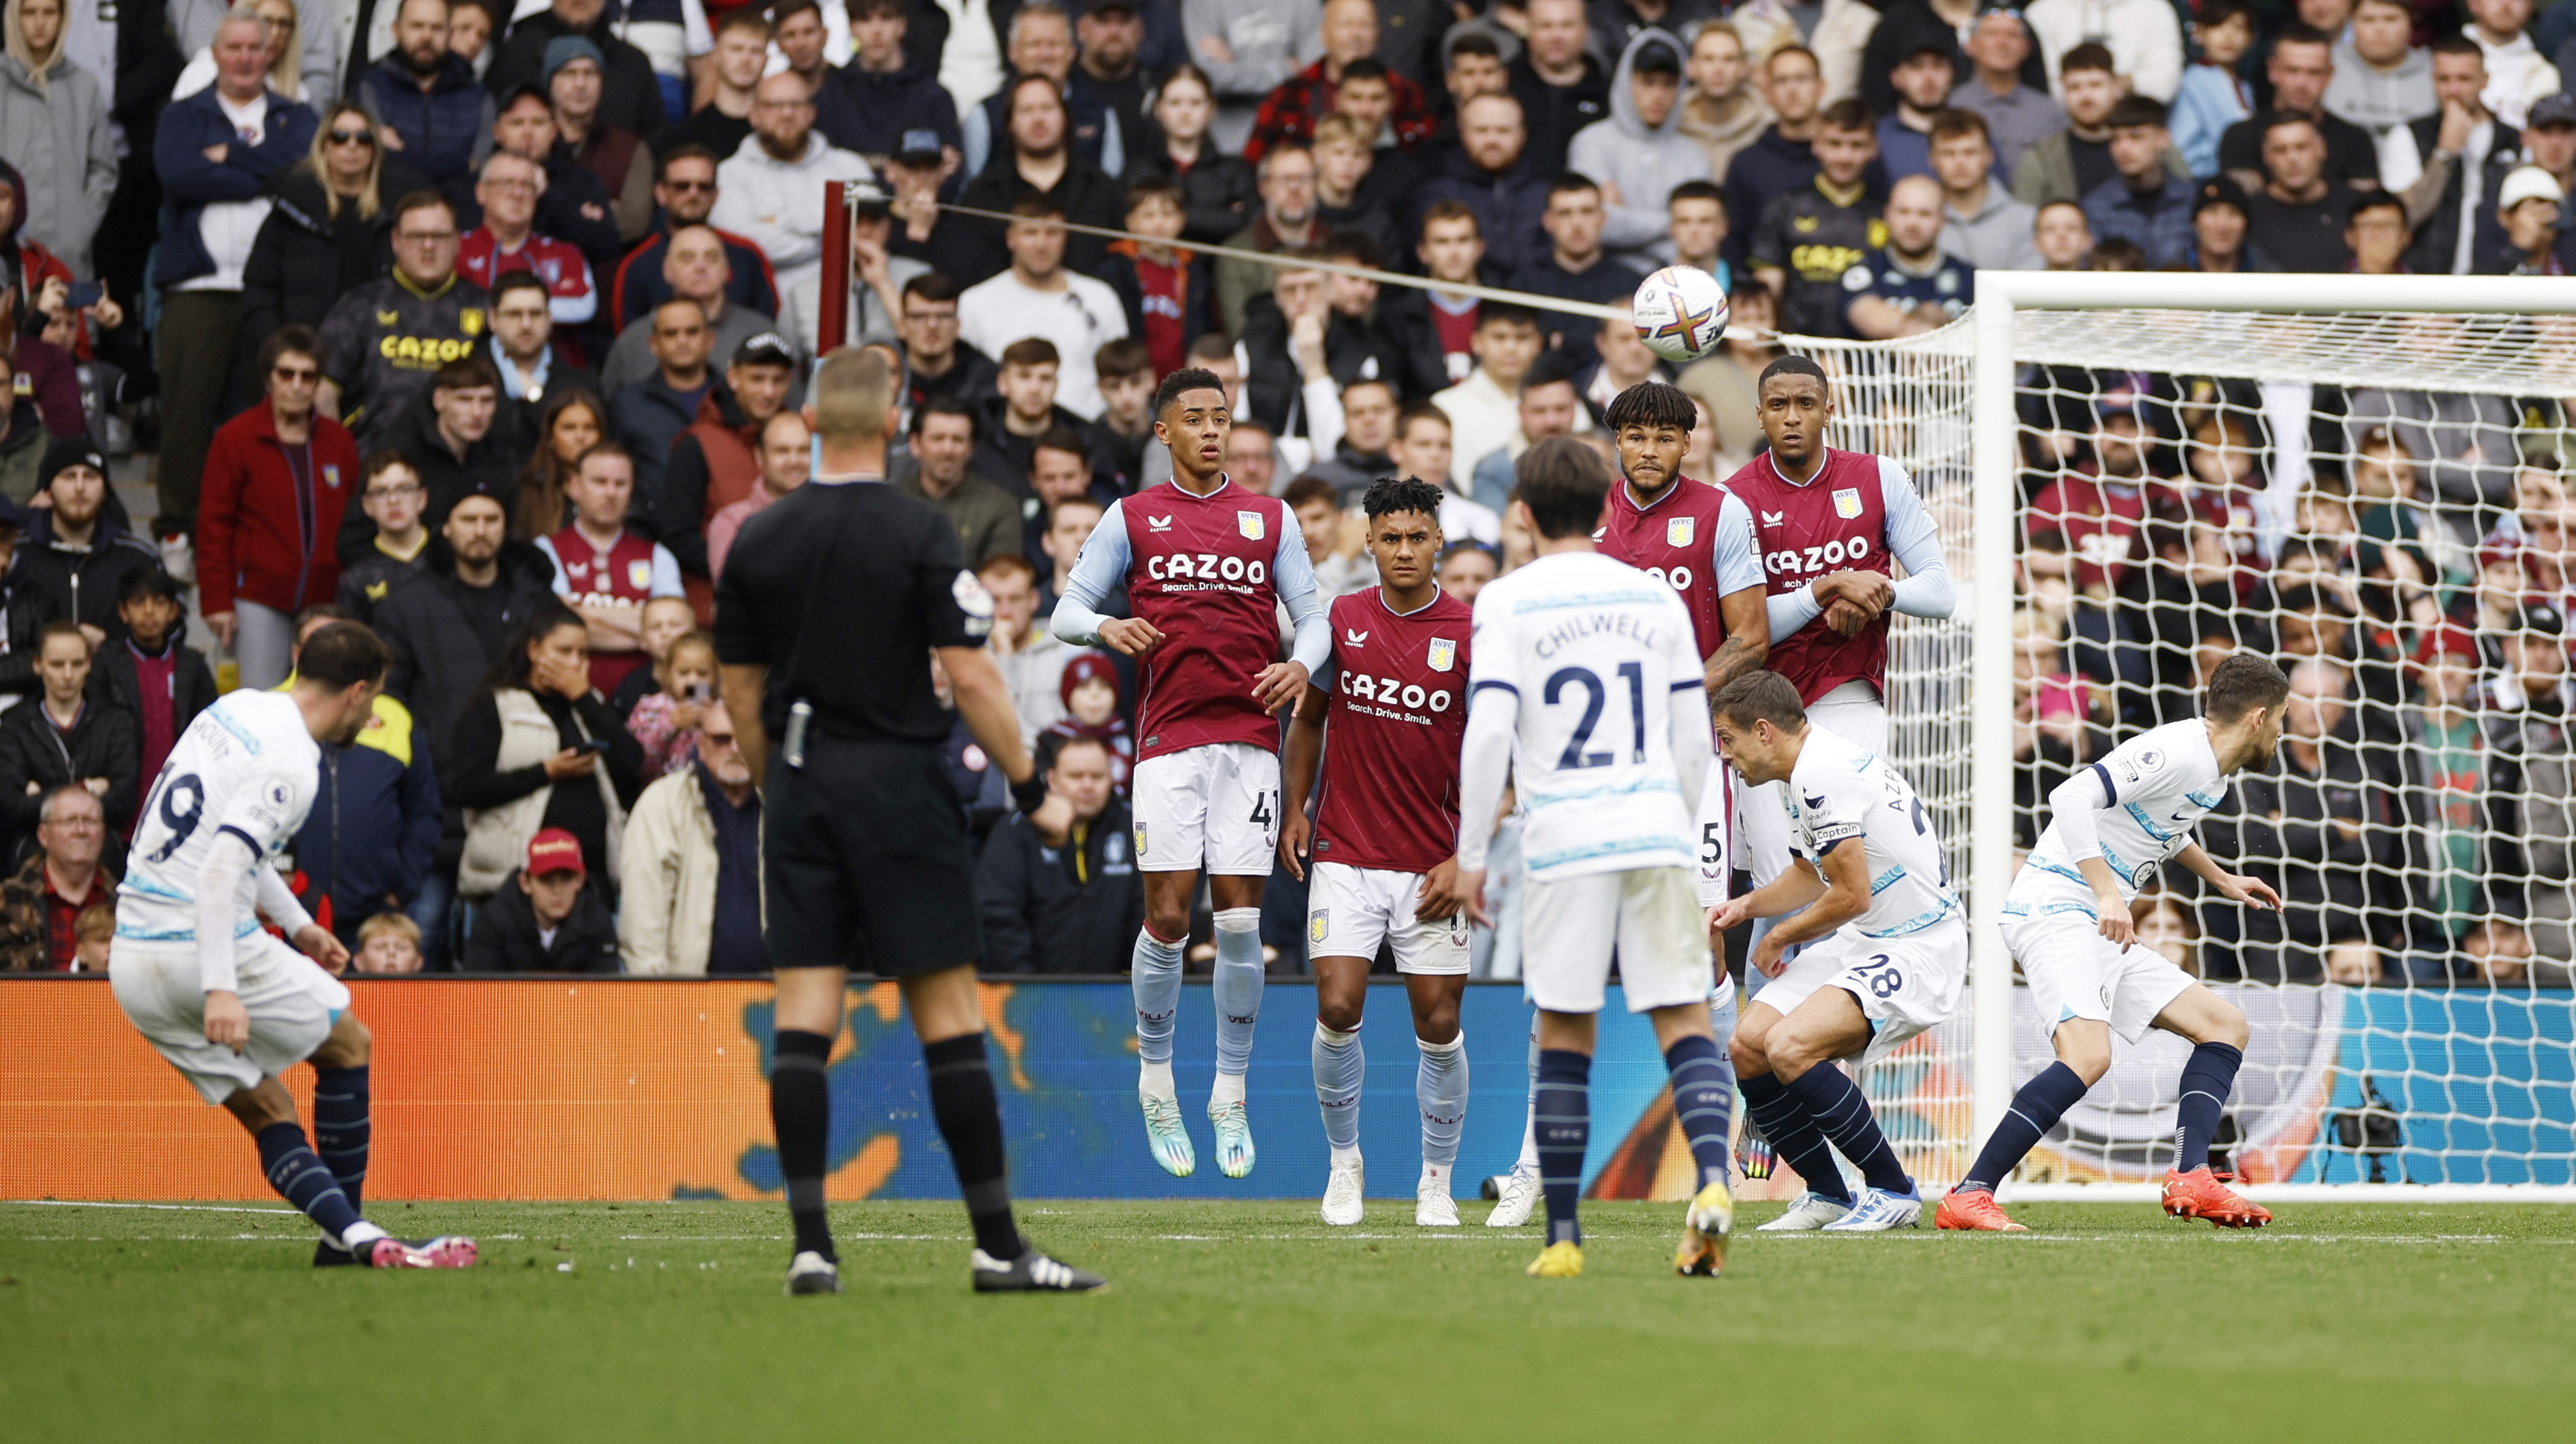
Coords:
pixel 648 1322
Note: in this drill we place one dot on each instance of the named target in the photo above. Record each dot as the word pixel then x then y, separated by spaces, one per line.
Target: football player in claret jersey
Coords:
pixel 1887 952
pixel 2066 920
pixel 226 1003
pixel 1586 684
pixel 1387 727
pixel 1205 565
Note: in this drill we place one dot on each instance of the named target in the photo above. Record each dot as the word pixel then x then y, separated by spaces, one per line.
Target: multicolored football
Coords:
pixel 1680 313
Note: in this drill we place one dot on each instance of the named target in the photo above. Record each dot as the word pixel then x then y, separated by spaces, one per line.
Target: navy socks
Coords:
pixel 1564 1125
pixel 300 1179
pixel 1842 1113
pixel 340 1128
pixel 1703 1102
pixel 1794 1136
pixel 2035 1110
pixel 2207 1079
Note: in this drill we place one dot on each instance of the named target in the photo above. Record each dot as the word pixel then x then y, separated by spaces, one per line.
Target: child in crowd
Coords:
pixel 666 722
pixel 1169 292
pixel 1091 704
pixel 2213 96
pixel 92 932
pixel 152 674
pixel 393 498
pixel 666 620
pixel 388 944
pixel 1464 569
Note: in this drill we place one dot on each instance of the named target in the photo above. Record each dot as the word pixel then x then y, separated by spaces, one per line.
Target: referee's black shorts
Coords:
pixel 868 864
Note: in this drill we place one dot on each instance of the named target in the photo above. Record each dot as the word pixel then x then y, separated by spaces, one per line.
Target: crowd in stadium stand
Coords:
pixel 486 324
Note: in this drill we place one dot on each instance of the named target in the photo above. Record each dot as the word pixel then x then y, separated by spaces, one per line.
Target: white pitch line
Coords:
pixel 165 1207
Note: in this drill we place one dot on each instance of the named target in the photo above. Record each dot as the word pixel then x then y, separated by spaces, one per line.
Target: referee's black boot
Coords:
pixel 1032 1273
pixel 811 1273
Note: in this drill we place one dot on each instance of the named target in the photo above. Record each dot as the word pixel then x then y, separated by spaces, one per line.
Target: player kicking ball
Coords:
pixel 2066 920
pixel 1205 566
pixel 1387 730
pixel 1588 668
pixel 226 1003
pixel 1885 955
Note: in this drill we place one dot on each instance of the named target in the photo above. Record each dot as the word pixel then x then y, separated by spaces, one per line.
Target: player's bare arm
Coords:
pixel 1443 894
pixel 2113 909
pixel 227 1021
pixel 1280 684
pixel 317 942
pixel 2233 886
pixel 1748 638
pixel 1129 636
pixel 984 700
pixel 1845 896
pixel 1795 887
pixel 1303 754
pixel 744 686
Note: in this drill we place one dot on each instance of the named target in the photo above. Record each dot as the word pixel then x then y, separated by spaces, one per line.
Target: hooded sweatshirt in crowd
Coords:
pixel 1644 162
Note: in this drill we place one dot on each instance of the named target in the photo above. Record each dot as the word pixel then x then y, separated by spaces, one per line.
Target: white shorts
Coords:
pixel 1852 712
pixel 2075 972
pixel 292 1004
pixel 1651 915
pixel 1904 985
pixel 1216 806
pixel 1350 910
pixel 1716 832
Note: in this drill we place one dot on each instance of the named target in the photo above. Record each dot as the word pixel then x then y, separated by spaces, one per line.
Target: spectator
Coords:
pixel 1452 249
pixel 300 67
pixel 605 571
pixel 76 554
pixel 1922 82
pixel 1349 33
pixel 2297 217
pixel 2219 225
pixel 798 30
pixel 2382 80
pixel 570 424
pixel 66 738
pixel 1782 158
pixel 1126 428
pixel 1059 470
pixel 2143 37
pixel 216 153
pixel 452 438
pixel 575 205
pixel 537 748
pixel 331 228
pixel 666 621
pixel 1022 409
pixel 1031 658
pixel 1695 219
pixel 1639 154
pixel 692 901
pixel 696 267
pixel 1094 708
pixel 1727 383
pixel 1040 47
pixel 876 279
pixel 935 362
pixel 1069 524
pixel 2445 791
pixel 1247 48
pixel 2017 115
pixel 450 626
pixel 2528 205
pixel 771 190
pixel 1217 190
pixel 1037 164
pixel 24 609
pixel 368 843
pixel 2213 96
pixel 1039 298
pixel 2301 68
pixel 1359 187
pixel 1911 286
pixel 715 462
pixel 389 944
pixel 649 415
pixel 1288 384
pixel 2146 202
pixel 1252 457
pixel 2529 709
pixel 524 357
pixel 1058 888
pixel 1340 565
pixel 885 91
pixel 1624 362
pixel 2446 166
pixel 1169 293
pixel 613 153
pixel 54 130
pixel 2317 829
pixel 1286 222
pixel 723 122
pixel 685 195
pixel 786 459
pixel 552 922
pixel 426 103
pixel 64 877
pixel 2517 73
pixel 1487 403
pixel 383 342
pixel 630 96
pixel 44 402
pixel 1981 222
pixel 1906 30
pixel 276 481
pixel 1822 229
pixel 938 470
pixel 1836 34
pixel 2374 230
pixel 1490 176
pixel 1547 406
pixel 391 496
pixel 2550 139
pixel 2074 162
pixel 664 720
pixel 1369 412
pixel 1720 111
pixel 507 241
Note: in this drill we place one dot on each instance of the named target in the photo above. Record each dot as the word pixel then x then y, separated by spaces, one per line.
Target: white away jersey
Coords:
pixel 247 767
pixel 1594 650
pixel 1840 792
pixel 2160 783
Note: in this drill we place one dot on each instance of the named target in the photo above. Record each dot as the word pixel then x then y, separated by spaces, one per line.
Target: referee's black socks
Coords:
pixel 800 1109
pixel 970 1119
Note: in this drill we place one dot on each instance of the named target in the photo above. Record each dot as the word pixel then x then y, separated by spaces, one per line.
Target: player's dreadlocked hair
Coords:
pixel 1187 379
pixel 1401 493
pixel 1792 366
pixel 1651 404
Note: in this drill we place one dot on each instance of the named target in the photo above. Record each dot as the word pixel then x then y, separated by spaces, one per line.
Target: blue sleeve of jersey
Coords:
pixel 1735 556
pixel 1293 578
pixel 1926 590
pixel 1097 574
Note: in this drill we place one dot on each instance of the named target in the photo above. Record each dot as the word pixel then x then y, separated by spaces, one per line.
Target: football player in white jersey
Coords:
pixel 2066 920
pixel 1590 669
pixel 227 1004
pixel 1885 951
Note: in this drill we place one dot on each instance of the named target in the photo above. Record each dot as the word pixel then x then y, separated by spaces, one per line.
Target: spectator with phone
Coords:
pixel 665 723
pixel 537 748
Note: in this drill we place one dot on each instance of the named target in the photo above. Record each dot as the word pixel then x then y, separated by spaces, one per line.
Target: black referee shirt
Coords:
pixel 841 589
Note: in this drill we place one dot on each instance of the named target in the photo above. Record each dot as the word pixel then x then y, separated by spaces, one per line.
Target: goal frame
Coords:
pixel 2000 297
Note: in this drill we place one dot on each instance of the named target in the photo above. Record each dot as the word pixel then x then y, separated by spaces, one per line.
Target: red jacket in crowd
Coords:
pixel 264 533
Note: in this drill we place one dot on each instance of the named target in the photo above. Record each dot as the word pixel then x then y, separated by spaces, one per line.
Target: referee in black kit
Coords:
pixel 833 602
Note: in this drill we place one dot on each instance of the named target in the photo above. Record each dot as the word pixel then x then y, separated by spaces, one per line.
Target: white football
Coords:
pixel 1680 313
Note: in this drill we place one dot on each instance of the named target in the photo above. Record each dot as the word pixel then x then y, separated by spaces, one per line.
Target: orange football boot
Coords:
pixel 1976 1212
pixel 2199 1194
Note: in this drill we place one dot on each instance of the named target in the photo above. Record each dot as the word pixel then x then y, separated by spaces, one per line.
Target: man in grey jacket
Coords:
pixel 1639 154
pixel 53 128
pixel 1247 47
pixel 1982 223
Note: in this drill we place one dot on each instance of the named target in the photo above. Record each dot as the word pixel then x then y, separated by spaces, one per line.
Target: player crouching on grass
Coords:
pixel 225 1002
pixel 1886 954
pixel 2066 920
pixel 1384 867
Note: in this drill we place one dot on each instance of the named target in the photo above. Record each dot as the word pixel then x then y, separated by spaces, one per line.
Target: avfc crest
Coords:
pixel 1677 531
pixel 1444 654
pixel 331 475
pixel 1251 524
pixel 1315 926
pixel 470 320
pixel 1847 502
pixel 639 575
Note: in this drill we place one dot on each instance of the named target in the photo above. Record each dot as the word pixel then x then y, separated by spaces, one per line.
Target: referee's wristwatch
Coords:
pixel 1030 793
